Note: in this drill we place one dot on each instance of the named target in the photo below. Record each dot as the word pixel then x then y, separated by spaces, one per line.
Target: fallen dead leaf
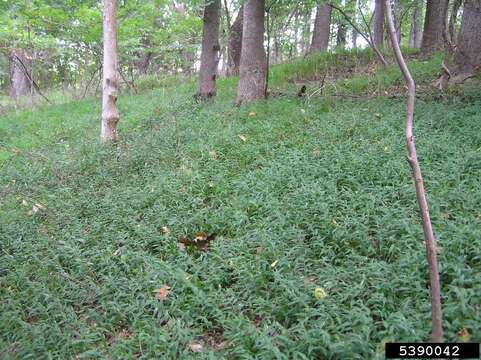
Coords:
pixel 383 344
pixel 195 347
pixel 165 230
pixel 464 335
pixel 162 292
pixel 120 335
pixel 213 155
pixel 243 138
pixel 252 113
pixel 311 279
pixel 201 240
pixel 214 340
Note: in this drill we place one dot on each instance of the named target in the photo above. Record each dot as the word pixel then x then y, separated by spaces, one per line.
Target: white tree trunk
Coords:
pixel 110 115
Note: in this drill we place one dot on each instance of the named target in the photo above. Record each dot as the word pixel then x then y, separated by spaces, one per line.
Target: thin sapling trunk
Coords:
pixel 430 241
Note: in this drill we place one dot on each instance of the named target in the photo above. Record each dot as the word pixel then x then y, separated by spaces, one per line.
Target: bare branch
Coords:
pixel 430 241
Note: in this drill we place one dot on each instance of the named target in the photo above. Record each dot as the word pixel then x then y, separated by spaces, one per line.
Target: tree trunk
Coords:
pixel 415 35
pixel 110 115
pixel 253 56
pixel 20 74
pixel 235 44
pixel 322 26
pixel 434 26
pixel 378 23
pixel 209 59
pixel 341 35
pixel 452 21
pixel 397 24
pixel 354 38
pixel 467 57
pixel 306 32
pixel 296 32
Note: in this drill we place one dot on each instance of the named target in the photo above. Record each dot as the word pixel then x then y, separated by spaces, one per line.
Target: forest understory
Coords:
pixel 283 229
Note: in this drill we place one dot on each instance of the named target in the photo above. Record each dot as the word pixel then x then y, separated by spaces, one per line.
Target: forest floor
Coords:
pixel 316 248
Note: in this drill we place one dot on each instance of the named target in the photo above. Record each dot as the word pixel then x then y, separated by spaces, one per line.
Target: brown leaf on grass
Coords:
pixel 122 334
pixel 213 155
pixel 195 347
pixel 165 230
pixel 162 292
pixel 311 279
pixel 201 240
pixel 214 340
pixel 464 335
pixel 243 138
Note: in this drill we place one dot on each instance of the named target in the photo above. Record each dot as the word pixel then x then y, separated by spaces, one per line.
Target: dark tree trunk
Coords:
pixel 434 26
pixel 144 63
pixel 209 59
pixel 354 38
pixel 235 44
pixel 253 56
pixel 277 49
pixel 397 24
pixel 341 35
pixel 415 35
pixel 378 23
pixel 20 74
pixel 322 26
pixel 468 52
pixel 452 21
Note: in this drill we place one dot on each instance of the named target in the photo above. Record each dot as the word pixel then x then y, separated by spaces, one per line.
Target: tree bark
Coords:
pixel 20 74
pixel 253 56
pixel 322 26
pixel 452 21
pixel 378 23
pixel 434 26
pixel 235 44
pixel 415 35
pixel 430 240
pixel 110 115
pixel 341 35
pixel 209 59
pixel 306 32
pixel 354 38
pixel 467 56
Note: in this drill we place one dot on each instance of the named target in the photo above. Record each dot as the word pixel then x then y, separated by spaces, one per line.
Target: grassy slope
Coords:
pixel 321 190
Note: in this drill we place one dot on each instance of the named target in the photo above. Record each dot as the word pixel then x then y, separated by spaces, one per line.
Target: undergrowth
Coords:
pixel 301 194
